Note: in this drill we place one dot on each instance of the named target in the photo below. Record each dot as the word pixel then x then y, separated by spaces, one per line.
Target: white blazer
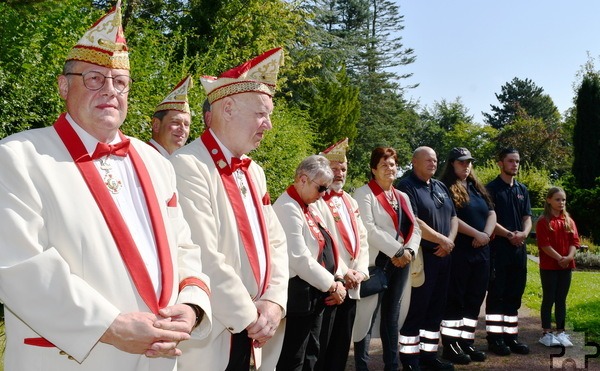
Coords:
pixel 208 210
pixel 62 278
pixel 382 237
pixel 303 247
pixel 347 260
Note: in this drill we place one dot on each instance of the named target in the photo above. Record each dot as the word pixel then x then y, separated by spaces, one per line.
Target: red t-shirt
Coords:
pixel 558 238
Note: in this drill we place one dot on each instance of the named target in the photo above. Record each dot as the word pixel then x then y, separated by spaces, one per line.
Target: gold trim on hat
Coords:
pixel 118 60
pixel 240 87
pixel 183 107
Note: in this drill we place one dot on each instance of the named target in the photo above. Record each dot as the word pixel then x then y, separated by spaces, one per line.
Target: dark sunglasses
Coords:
pixel 321 188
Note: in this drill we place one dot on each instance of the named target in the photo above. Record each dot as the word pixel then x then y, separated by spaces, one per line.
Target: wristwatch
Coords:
pixel 509 235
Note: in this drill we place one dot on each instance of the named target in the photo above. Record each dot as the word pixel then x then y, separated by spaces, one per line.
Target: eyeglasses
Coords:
pixel 94 80
pixel 321 188
pixel 437 197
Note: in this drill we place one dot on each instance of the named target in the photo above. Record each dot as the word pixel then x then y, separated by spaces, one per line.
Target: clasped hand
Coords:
pixel 150 334
pixel 264 327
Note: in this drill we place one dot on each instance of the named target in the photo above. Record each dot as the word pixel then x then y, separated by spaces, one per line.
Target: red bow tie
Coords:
pixel 332 193
pixel 242 164
pixel 103 149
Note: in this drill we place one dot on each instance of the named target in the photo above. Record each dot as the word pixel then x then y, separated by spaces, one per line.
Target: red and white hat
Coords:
pixel 258 75
pixel 104 43
pixel 178 97
pixel 336 152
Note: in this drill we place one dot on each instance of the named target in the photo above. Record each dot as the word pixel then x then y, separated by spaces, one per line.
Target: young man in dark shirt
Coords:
pixel 508 256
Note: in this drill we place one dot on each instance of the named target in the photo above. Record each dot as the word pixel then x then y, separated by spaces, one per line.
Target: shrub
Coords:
pixel 583 204
pixel 537 181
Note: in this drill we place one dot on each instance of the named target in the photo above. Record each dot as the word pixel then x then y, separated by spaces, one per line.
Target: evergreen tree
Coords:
pixel 522 95
pixel 586 133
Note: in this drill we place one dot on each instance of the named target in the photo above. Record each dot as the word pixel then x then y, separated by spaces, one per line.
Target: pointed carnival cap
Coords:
pixel 337 152
pixel 258 75
pixel 104 43
pixel 178 97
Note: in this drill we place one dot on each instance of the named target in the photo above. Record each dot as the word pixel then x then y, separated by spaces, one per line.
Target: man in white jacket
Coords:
pixel 97 267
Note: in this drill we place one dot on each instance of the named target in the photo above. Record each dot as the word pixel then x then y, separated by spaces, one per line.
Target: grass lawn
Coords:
pixel 583 302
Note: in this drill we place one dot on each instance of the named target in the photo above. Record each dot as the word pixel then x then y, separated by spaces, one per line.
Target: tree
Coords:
pixel 586 133
pixel 540 146
pixel 522 95
pixel 335 110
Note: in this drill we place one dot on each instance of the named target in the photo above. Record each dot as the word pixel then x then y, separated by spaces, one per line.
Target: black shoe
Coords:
pixel 454 353
pixel 435 364
pixel 476 355
pixel 498 347
pixel 517 347
pixel 410 368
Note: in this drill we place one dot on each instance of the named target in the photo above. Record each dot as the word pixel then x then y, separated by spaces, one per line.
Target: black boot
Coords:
pixel 515 346
pixel 434 363
pixel 476 355
pixel 454 353
pixel 497 346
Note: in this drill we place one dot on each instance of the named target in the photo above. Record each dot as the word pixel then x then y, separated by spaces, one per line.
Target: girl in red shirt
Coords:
pixel 557 240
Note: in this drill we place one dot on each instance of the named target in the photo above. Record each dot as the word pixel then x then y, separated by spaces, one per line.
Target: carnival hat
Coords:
pixel 337 152
pixel 104 43
pixel 178 97
pixel 258 75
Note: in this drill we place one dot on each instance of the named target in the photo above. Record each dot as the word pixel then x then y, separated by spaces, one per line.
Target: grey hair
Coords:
pixel 68 67
pixel 315 167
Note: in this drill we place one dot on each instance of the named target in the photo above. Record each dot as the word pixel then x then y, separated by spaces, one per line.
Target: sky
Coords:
pixel 470 48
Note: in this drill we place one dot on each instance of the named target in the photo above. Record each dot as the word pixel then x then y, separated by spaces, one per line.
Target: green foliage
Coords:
pixel 33 52
pixel 536 180
pixel 474 137
pixel 284 147
pixel 335 109
pixel 583 204
pixel 586 135
pixel 539 144
pixel 156 73
pixel 522 95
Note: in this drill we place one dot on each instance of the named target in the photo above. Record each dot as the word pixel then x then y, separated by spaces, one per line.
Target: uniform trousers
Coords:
pixel 506 288
pixel 469 277
pixel 419 335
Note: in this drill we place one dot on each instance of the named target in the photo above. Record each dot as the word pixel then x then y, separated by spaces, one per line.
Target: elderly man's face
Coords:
pixel 172 131
pixel 251 119
pixel 425 164
pixel 100 112
pixel 340 170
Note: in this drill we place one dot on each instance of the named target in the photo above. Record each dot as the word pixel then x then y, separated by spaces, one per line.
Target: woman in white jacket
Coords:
pixel 394 239
pixel 313 263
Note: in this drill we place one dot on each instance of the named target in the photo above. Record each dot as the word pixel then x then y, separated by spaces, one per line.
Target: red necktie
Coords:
pixel 119 149
pixel 236 163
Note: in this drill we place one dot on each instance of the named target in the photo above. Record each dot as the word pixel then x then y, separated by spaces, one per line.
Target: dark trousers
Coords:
pixel 239 354
pixel 427 303
pixel 336 334
pixel 507 282
pixel 555 288
pixel 390 313
pixel 469 278
pixel 300 348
